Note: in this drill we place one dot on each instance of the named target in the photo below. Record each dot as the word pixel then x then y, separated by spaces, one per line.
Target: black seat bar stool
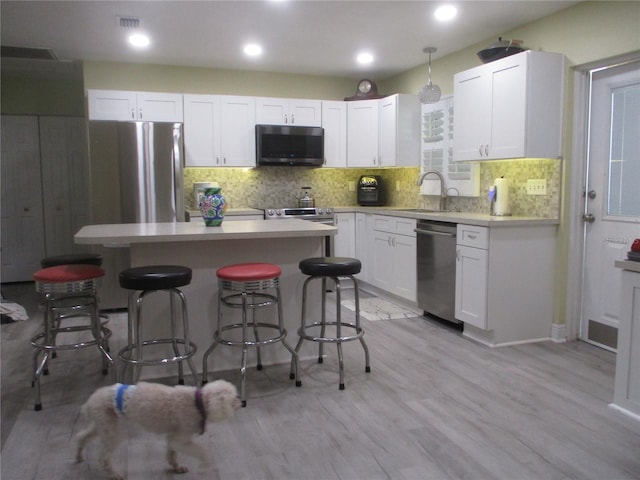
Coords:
pixel 316 331
pixel 143 281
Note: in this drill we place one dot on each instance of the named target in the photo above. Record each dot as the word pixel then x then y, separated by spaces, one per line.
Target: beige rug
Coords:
pixel 379 309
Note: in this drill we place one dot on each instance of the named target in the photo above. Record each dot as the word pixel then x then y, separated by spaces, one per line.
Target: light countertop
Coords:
pixel 128 233
pixel 480 219
pixel 630 265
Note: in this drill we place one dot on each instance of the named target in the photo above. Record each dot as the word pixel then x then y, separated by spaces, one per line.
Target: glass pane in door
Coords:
pixel 624 153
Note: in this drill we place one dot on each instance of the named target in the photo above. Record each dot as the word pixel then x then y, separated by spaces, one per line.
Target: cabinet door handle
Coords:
pixel 286 120
pixel 393 241
pixel 293 119
pixel 472 236
pixel 457 255
pixel 486 150
pixel 480 150
pixel 140 114
pixel 133 114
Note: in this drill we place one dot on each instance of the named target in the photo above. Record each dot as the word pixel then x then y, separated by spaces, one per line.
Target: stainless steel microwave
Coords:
pixel 289 145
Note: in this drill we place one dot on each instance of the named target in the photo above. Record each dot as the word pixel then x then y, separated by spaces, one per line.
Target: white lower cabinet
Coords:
pixel 393 256
pixel 472 275
pixel 504 282
pixel 345 240
pixel 627 380
pixel 362 244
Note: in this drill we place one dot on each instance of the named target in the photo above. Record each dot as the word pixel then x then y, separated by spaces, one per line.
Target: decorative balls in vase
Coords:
pixel 212 206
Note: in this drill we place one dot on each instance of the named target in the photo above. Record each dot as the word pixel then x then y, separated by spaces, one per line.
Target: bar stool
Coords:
pixel 70 259
pixel 68 291
pixel 251 283
pixel 145 280
pixel 323 268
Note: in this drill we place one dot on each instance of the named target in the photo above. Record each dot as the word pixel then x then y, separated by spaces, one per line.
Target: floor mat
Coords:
pixel 380 309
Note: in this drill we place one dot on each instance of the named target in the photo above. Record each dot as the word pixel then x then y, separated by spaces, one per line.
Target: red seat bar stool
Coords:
pixel 69 291
pixel 249 286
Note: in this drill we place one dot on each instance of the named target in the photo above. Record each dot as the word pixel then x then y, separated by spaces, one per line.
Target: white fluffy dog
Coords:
pixel 178 412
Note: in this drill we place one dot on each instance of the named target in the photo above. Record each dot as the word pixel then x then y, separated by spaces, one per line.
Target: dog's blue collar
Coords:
pixel 120 391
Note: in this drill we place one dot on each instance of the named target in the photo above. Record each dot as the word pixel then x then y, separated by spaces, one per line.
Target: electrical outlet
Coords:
pixel 352 186
pixel 537 187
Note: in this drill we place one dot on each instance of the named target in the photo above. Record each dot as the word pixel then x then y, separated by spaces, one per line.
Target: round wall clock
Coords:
pixel 365 90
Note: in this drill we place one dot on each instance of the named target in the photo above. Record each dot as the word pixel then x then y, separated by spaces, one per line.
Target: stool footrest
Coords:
pixel 38 340
pixel 125 353
pixel 359 332
pixel 257 343
pixel 235 300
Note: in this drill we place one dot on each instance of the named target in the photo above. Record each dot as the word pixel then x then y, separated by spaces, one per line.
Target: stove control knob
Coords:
pixel 328 211
pixel 319 211
pixel 278 212
pixel 270 213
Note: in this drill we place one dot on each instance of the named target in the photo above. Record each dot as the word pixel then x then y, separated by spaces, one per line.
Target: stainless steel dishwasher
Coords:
pixel 436 253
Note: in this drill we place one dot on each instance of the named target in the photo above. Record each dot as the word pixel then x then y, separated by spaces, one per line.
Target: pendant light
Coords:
pixel 430 93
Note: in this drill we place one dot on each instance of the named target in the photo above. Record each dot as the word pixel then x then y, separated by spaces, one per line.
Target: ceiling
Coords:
pixel 304 36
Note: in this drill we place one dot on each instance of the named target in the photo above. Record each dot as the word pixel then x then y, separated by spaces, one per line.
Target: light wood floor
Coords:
pixel 435 406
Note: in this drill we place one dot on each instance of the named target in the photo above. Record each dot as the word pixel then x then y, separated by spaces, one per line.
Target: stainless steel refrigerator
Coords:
pixel 136 177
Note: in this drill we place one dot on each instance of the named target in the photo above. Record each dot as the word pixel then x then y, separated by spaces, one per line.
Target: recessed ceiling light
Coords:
pixel 253 49
pixel 139 40
pixel 364 58
pixel 445 13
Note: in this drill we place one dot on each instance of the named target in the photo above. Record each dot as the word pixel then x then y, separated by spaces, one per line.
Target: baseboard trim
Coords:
pixel 558 332
pixel 628 413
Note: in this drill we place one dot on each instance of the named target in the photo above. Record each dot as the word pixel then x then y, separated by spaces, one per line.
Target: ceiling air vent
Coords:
pixel 33 53
pixel 129 22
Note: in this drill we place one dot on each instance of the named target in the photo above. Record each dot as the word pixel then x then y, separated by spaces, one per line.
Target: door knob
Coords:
pixel 591 194
pixel 589 217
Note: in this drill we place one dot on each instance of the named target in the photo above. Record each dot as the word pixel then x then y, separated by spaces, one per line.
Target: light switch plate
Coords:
pixel 537 186
pixel 352 186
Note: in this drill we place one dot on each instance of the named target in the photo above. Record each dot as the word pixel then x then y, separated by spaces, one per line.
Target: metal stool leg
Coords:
pixel 356 288
pixel 205 357
pixel 187 339
pixel 245 348
pixel 255 334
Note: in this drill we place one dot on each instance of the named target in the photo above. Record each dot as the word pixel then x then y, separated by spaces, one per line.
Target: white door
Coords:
pixel 612 201
pixel 65 181
pixel 22 212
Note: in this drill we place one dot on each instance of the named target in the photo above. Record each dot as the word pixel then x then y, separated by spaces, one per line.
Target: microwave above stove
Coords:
pixel 280 145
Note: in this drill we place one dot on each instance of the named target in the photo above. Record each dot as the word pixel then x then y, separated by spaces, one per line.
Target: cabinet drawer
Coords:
pixel 473 236
pixel 399 225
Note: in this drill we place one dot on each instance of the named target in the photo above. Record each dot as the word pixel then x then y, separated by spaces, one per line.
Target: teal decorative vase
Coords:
pixel 212 206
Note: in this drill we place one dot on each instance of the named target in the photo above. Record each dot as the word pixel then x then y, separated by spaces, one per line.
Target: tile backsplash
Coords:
pixel 278 186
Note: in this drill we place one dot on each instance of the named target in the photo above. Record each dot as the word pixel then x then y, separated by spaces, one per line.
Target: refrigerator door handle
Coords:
pixel 177 172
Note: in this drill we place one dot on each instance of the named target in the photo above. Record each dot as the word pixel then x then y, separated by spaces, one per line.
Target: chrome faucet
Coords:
pixel 443 191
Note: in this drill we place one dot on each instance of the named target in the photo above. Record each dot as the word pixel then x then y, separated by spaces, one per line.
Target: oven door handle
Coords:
pixel 432 232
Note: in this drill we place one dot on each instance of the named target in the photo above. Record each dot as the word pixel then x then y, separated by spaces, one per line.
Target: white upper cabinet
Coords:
pixel 135 106
pixel 384 132
pixel 201 130
pixel 510 108
pixel 284 111
pixel 399 131
pixel 334 121
pixel 219 131
pixel 362 133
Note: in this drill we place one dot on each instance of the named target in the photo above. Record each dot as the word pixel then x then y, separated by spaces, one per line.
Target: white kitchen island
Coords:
pixel 205 249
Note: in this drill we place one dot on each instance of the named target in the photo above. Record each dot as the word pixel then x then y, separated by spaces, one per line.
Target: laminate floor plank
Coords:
pixel 436 406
